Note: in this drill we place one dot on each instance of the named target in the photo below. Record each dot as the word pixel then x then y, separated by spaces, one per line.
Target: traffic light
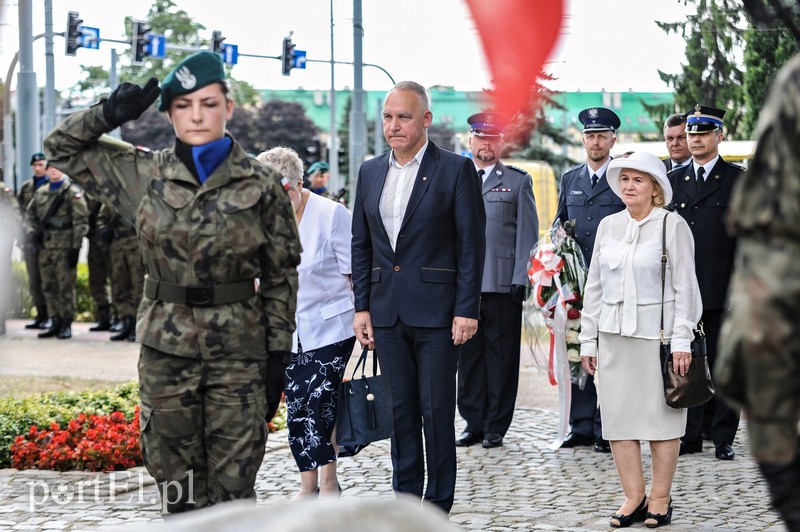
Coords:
pixel 216 42
pixel 140 42
pixel 74 32
pixel 287 56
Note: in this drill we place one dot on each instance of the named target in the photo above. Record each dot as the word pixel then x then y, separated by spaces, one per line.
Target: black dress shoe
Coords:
pixel 624 521
pixel 602 446
pixel 690 448
pixel 492 439
pixel 724 452
pixel 574 439
pixel 468 438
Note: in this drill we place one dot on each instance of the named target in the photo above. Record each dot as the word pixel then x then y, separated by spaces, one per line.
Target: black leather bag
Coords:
pixel 364 407
pixel 696 387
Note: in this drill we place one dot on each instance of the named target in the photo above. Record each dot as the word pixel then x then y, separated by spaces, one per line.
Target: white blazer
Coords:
pixel 325 302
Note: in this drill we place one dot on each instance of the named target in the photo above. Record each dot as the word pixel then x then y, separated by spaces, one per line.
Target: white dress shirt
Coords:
pixel 397 191
pixel 623 289
pixel 325 301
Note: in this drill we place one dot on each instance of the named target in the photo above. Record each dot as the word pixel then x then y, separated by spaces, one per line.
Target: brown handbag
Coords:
pixel 696 387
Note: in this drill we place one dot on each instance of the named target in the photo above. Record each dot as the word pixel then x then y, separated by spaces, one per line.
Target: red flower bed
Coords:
pixel 91 443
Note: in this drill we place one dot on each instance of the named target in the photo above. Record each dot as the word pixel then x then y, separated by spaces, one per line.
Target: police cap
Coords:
pixel 702 118
pixel 193 73
pixel 599 119
pixel 38 157
pixel 487 124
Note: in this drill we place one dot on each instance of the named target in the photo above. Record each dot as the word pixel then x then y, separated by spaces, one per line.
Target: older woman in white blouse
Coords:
pixel 324 336
pixel 620 332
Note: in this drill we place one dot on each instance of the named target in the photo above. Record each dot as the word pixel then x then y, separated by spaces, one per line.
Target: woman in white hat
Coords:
pixel 620 332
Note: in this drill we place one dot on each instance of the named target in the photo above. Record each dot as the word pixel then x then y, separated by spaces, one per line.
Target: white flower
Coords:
pixel 571 336
pixel 573 355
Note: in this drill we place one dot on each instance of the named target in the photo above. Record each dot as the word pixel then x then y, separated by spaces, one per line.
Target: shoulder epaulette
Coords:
pixel 520 170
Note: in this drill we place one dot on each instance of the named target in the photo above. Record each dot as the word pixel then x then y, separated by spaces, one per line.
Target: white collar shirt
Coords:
pixel 707 167
pixel 396 192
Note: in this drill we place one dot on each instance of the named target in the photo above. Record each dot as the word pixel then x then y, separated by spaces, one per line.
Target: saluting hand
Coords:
pixel 129 101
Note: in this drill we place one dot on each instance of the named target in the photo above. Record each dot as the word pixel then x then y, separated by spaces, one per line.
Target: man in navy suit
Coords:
pixel 677 146
pixel 586 198
pixel 701 194
pixel 488 369
pixel 417 260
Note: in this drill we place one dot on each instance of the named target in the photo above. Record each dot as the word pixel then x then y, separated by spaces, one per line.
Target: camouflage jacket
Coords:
pixel 67 226
pixel 124 233
pixel 237 226
pixel 26 192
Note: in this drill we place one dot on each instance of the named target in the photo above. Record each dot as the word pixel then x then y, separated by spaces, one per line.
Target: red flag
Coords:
pixel 517 37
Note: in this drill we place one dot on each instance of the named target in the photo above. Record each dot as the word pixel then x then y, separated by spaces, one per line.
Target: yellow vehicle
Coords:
pixel 544 189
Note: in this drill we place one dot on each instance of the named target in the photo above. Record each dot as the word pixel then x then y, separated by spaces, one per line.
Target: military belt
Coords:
pixel 207 295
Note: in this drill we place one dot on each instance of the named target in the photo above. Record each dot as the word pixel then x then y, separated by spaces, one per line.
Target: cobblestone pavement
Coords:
pixel 521 486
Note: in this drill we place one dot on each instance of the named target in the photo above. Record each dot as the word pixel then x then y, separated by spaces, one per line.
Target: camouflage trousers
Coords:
pixel 127 279
pixel 99 266
pixel 758 363
pixel 202 427
pixel 34 279
pixel 58 282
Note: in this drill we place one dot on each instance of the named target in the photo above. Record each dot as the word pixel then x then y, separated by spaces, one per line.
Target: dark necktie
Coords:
pixel 481 173
pixel 595 179
pixel 700 173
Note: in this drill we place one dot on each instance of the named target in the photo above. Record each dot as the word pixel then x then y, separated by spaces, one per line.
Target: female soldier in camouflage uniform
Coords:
pixel 210 221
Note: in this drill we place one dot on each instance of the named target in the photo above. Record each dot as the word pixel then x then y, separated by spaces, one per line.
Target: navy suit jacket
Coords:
pixel 705 212
pixel 436 269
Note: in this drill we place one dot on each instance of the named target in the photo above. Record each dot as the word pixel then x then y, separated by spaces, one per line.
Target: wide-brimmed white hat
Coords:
pixel 644 162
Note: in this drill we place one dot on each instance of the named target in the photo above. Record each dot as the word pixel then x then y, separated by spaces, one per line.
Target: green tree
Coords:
pixel 766 51
pixel 710 75
pixel 280 123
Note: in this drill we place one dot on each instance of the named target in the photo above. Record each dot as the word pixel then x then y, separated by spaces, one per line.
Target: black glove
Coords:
pixel 276 380
pixel 517 294
pixel 72 258
pixel 129 101
pixel 105 237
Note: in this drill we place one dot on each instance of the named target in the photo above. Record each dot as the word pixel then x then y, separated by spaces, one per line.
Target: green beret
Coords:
pixel 318 166
pixel 191 74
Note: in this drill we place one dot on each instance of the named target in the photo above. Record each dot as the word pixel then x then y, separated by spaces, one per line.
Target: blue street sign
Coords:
pixel 299 60
pixel 156 45
pixel 90 37
pixel 230 54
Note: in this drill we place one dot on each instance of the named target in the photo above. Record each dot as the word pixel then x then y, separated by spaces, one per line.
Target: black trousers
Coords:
pixel 725 420
pixel 488 367
pixel 420 364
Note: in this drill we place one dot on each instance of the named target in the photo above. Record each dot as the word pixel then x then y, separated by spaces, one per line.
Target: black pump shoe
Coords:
pixel 660 519
pixel 638 515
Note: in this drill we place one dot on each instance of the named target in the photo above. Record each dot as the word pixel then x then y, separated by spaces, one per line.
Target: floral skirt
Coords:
pixel 312 388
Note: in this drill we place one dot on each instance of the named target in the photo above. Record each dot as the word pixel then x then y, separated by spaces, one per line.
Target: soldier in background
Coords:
pixel 57 233
pixel 759 355
pixel 318 180
pixel 99 264
pixel 117 236
pixel 26 192
pixel 9 229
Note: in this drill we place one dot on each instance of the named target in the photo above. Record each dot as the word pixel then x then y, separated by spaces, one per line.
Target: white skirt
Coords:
pixel 631 391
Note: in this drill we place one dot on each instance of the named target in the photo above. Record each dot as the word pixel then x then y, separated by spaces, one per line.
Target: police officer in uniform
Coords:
pixel 58 234
pixel 26 192
pixel 211 222
pixel 488 366
pixel 117 236
pixel 702 194
pixel 9 229
pixel 586 198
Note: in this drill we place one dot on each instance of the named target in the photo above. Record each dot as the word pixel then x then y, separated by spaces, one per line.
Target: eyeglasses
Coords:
pixel 673 139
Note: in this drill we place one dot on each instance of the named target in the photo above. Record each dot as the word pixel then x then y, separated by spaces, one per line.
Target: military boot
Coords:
pixel 41 319
pixel 128 327
pixel 55 326
pixel 65 331
pixel 103 319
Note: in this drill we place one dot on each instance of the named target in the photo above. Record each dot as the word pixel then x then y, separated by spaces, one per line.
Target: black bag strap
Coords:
pixel 362 363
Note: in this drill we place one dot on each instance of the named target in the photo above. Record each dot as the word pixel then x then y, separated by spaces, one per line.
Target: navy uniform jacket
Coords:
pixel 512 228
pixel 578 201
pixel 705 213
pixel 435 271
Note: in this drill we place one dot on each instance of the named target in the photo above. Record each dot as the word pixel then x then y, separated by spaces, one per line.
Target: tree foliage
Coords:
pixel 711 75
pixel 280 123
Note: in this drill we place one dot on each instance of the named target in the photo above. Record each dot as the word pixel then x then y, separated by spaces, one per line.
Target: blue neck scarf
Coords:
pixel 39 181
pixel 56 186
pixel 208 157
pixel 319 191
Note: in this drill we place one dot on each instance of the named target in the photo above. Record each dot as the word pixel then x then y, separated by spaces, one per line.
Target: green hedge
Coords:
pixel 18 414
pixel 22 307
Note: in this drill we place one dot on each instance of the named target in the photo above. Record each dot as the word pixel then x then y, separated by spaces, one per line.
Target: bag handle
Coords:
pixel 362 363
